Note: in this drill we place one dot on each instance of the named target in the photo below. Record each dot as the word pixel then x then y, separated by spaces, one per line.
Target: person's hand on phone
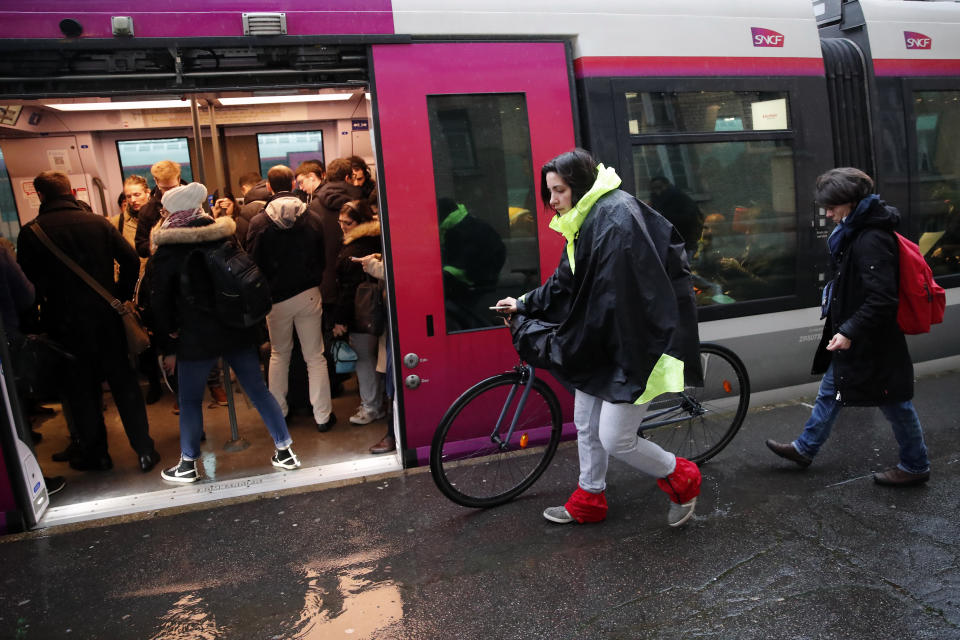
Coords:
pixel 506 305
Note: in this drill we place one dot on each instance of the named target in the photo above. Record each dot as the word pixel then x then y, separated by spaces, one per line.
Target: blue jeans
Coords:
pixel 192 378
pixel 902 416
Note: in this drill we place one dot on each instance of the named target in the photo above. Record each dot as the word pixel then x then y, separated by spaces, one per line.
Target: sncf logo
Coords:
pixel 916 40
pixel 766 37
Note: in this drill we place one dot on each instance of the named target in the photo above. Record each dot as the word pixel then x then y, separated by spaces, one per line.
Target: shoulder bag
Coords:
pixel 138 340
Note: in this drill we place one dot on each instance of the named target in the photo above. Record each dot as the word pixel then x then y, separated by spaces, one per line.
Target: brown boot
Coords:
pixel 897 477
pixel 386 445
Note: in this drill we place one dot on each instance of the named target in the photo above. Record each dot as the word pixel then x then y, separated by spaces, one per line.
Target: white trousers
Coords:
pixel 606 429
pixel 303 312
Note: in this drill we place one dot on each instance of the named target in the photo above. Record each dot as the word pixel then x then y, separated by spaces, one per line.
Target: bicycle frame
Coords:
pixel 530 373
pixel 691 405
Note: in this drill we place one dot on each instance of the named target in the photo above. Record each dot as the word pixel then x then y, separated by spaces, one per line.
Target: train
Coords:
pixel 720 115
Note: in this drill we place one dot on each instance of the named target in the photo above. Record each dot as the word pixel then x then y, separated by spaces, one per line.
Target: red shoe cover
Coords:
pixel 683 485
pixel 587 507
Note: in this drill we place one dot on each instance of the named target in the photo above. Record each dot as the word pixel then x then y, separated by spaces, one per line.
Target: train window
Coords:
pixel 484 181
pixel 702 111
pixel 137 156
pixel 288 148
pixel 938 178
pixel 734 204
pixel 9 219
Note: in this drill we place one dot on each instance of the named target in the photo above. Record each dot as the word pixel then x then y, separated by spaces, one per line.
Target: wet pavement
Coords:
pixel 774 552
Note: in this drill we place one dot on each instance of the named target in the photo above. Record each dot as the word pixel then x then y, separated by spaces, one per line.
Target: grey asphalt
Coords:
pixel 774 552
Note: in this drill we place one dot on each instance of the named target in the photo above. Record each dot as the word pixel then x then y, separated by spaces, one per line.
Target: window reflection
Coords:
pixel 938 183
pixel 703 111
pixel 483 172
pixel 137 156
pixel 734 204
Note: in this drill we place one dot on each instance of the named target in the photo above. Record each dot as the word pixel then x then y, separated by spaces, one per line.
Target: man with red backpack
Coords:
pixel 862 353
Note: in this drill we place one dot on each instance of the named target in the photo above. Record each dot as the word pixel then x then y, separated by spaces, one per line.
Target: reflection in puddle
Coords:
pixel 188 619
pixel 354 608
pixel 208 461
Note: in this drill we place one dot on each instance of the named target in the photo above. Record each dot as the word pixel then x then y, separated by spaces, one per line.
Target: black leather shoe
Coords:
pixel 386 445
pixel 149 460
pixel 787 451
pixel 323 427
pixel 897 477
pixel 102 463
pixel 72 451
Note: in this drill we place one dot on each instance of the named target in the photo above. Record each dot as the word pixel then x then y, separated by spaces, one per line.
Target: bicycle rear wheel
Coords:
pixel 468 461
pixel 699 422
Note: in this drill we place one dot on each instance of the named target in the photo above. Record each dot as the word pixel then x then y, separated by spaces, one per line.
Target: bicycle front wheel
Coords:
pixel 699 422
pixel 473 462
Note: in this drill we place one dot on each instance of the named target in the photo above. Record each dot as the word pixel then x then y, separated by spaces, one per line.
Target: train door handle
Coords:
pixel 413 381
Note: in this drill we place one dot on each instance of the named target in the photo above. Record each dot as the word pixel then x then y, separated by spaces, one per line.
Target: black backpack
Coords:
pixel 237 291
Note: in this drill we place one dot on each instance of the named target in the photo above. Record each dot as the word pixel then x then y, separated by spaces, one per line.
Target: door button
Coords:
pixel 411 360
pixel 412 381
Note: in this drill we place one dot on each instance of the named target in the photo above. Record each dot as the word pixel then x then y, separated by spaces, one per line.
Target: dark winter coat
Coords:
pixel 289 249
pixel 327 202
pixel 201 334
pixel 147 218
pixel 70 310
pixel 602 327
pixel 360 241
pixel 253 203
pixel 877 368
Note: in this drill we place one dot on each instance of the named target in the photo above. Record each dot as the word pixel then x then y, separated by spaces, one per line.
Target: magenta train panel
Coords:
pixel 183 18
pixel 590 66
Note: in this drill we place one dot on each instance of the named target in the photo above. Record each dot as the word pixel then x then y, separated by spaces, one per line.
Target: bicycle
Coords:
pixel 483 455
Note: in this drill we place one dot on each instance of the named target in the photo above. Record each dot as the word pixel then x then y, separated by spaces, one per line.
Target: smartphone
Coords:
pixel 499 308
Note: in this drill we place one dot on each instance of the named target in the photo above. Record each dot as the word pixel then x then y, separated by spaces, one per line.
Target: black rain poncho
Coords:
pixel 622 317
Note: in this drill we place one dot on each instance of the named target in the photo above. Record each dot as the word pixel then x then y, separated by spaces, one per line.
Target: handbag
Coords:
pixel 138 339
pixel 344 357
pixel 369 310
pixel 37 360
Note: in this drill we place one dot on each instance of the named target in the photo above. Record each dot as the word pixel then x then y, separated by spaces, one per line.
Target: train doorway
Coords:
pixel 215 137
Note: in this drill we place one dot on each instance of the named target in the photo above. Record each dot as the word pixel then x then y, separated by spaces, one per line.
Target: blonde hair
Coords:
pixel 140 181
pixel 165 170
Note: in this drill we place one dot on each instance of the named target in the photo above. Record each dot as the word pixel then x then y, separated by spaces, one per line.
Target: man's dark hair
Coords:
pixel 358 210
pixel 52 184
pixel 356 162
pixel 577 168
pixel 310 166
pixel 338 170
pixel 280 178
pixel 844 185
pixel 250 179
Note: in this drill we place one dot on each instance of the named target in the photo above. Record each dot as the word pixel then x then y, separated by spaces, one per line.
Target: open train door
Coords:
pixel 464 129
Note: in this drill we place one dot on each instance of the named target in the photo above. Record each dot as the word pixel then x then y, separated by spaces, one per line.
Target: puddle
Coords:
pixel 188 619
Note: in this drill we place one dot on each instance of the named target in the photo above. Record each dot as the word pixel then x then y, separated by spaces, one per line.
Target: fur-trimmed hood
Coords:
pixel 362 230
pixel 221 228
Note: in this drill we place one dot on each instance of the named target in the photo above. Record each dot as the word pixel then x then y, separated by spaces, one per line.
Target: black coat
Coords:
pixel 200 332
pixel 603 327
pixel 147 218
pixel 70 310
pixel 291 258
pixel 327 202
pixel 360 241
pixel 877 368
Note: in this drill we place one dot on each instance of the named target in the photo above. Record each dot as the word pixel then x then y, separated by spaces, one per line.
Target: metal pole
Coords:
pixel 199 175
pixel 219 180
pixel 235 443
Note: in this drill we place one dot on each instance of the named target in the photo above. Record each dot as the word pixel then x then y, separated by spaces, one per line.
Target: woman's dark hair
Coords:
pixel 358 210
pixel 844 185
pixel 577 168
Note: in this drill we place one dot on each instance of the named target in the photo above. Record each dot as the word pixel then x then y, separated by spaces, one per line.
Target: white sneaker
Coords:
pixel 560 515
pixel 362 416
pixel 680 513
pixel 285 459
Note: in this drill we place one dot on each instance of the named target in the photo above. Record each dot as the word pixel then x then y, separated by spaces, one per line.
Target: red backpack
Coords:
pixel 922 300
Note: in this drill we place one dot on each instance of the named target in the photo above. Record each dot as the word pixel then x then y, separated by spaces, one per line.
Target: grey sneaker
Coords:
pixel 558 515
pixel 285 459
pixel 680 513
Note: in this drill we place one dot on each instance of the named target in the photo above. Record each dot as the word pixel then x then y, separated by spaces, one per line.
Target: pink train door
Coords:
pixel 464 129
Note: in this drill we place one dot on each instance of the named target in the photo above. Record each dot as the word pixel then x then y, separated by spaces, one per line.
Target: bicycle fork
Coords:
pixel 503 443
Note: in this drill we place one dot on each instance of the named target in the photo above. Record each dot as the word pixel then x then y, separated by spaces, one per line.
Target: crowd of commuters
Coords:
pixel 296 227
